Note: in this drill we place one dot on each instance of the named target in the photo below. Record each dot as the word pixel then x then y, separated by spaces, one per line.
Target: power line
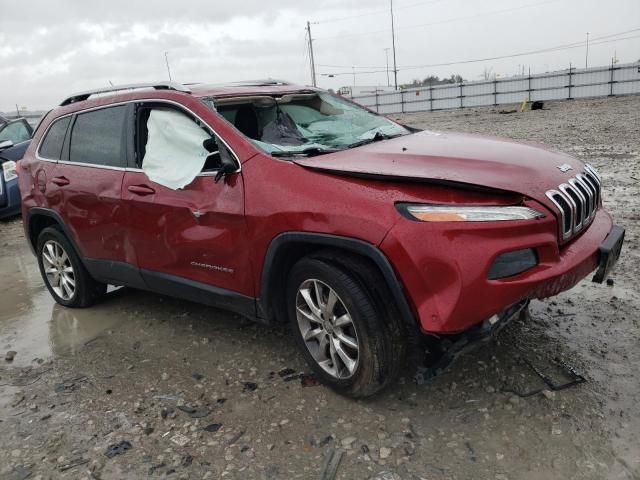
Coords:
pixel 558 47
pixel 567 45
pixel 441 22
pixel 521 54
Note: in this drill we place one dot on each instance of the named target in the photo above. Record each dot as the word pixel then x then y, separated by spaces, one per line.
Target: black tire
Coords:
pixel 380 344
pixel 87 291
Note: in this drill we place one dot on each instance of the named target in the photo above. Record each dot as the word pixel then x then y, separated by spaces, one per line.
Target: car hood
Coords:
pixel 474 160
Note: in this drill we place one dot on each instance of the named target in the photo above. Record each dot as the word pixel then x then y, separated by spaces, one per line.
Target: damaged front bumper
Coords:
pixel 452 293
pixel 441 351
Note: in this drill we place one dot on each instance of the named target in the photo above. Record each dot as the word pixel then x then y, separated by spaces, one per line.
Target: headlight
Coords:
pixel 10 171
pixel 452 213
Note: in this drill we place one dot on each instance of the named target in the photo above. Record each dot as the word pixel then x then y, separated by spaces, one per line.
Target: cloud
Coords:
pixel 50 49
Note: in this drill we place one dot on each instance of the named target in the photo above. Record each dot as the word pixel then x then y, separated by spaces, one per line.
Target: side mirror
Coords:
pixel 6 144
pixel 227 163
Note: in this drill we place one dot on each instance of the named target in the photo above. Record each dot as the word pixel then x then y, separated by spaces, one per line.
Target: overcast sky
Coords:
pixel 51 48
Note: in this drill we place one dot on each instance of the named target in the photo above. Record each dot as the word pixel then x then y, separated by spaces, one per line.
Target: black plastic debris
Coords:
pixel 286 372
pixel 220 401
pixel 249 387
pixel 213 427
pixel 153 468
pixel 537 105
pixel 566 377
pixel 195 412
pixel 117 449
pixel 197 376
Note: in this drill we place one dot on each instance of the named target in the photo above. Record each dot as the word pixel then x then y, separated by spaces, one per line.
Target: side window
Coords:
pixel 96 137
pixel 174 135
pixel 16 132
pixel 53 141
pixel 170 146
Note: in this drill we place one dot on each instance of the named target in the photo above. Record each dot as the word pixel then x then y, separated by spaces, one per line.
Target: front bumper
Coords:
pixel 9 198
pixel 444 268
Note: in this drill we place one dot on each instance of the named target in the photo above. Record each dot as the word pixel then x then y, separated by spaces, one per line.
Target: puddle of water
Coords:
pixel 32 324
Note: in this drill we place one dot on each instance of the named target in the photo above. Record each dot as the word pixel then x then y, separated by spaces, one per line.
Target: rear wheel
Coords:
pixel 343 334
pixel 65 276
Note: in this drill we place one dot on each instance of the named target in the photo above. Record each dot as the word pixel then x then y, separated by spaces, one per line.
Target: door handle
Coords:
pixel 141 189
pixel 60 181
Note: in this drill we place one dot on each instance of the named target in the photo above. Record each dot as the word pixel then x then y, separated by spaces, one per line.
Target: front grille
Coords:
pixel 578 201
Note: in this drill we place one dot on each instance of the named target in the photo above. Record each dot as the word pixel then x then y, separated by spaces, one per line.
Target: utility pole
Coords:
pixel 166 59
pixel 393 44
pixel 353 69
pixel 311 59
pixel 586 55
pixel 386 51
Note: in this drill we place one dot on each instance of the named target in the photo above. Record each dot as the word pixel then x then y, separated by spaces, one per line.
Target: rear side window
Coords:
pixel 96 137
pixel 51 147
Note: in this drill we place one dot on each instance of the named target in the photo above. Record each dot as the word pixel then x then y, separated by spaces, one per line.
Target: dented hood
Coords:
pixel 476 160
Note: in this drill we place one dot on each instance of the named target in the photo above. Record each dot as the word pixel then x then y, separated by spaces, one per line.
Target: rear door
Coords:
pixel 193 232
pixel 87 182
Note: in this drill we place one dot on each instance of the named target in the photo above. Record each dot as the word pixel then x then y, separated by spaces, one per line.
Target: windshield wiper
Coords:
pixel 376 138
pixel 307 152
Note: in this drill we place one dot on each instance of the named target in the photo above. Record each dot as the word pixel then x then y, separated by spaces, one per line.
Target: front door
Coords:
pixel 186 228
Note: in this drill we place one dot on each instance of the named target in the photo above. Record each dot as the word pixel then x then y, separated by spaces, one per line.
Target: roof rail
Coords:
pixel 259 83
pixel 79 97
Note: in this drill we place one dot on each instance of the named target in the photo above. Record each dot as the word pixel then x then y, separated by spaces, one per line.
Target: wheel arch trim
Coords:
pixel 277 249
pixel 47 212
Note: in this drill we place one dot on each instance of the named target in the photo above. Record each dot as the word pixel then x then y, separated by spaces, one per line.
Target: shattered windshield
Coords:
pixel 304 123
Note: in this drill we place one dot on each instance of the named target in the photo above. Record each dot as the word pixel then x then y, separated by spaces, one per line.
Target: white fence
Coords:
pixel 562 85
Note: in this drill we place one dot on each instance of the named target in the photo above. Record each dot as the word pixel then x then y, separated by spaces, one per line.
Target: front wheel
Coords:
pixel 344 336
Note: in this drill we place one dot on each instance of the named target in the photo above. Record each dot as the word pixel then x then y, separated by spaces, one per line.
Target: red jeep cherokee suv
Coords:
pixel 287 203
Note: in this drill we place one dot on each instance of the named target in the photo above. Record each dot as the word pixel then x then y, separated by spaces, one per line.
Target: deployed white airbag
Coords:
pixel 174 153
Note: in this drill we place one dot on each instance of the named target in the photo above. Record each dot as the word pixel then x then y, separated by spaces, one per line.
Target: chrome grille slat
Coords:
pixel 588 193
pixel 578 201
pixel 594 189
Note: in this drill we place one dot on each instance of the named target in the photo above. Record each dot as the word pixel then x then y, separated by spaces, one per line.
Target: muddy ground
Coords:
pixel 200 393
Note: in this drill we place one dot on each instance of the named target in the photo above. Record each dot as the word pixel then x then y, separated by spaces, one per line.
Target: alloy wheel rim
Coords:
pixel 327 329
pixel 58 270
